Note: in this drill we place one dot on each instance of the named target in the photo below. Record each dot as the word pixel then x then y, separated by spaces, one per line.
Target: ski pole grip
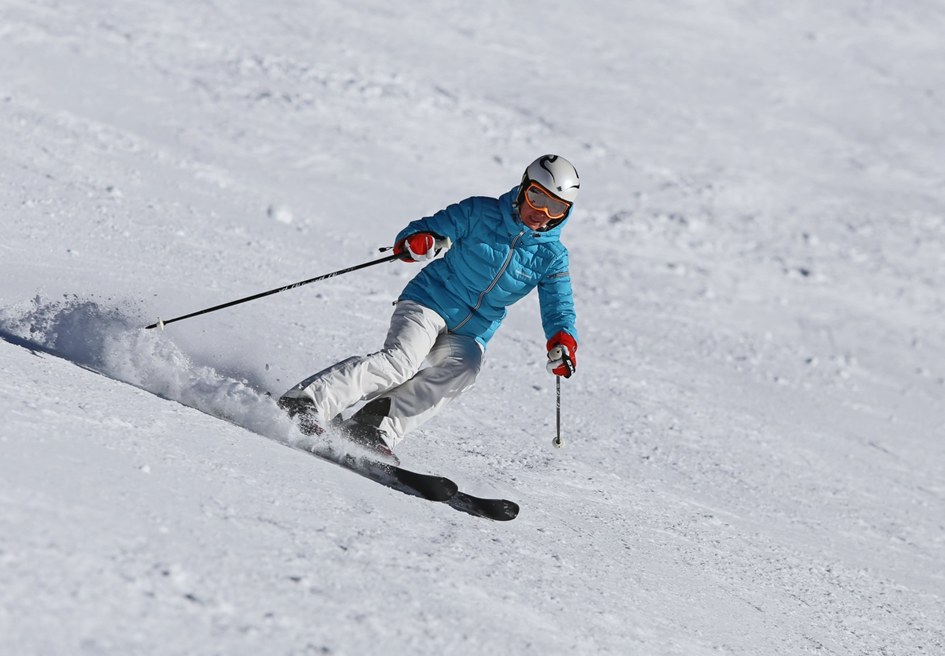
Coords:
pixel 439 244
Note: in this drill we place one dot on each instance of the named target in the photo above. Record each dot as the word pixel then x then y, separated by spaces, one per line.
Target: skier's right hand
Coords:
pixel 418 247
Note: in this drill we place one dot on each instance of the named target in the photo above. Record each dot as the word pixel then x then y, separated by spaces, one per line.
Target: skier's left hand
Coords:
pixel 562 355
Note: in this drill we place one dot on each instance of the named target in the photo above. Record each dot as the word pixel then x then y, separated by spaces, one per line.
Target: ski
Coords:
pixel 499 510
pixel 428 486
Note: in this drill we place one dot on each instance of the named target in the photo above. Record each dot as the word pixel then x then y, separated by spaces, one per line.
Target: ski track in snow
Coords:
pixel 755 434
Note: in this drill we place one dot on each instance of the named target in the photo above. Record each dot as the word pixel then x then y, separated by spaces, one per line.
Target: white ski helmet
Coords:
pixel 557 176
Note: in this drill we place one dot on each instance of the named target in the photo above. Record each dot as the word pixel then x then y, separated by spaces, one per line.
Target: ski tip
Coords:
pixel 511 510
pixel 498 510
pixel 507 511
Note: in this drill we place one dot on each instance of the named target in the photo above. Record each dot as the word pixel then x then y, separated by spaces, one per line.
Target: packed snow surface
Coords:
pixel 755 458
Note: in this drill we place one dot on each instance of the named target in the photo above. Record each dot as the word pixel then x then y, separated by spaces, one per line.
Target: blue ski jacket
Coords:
pixel 495 260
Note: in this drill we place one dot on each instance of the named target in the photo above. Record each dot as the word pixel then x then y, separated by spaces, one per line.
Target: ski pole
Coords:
pixel 444 243
pixel 558 442
pixel 160 324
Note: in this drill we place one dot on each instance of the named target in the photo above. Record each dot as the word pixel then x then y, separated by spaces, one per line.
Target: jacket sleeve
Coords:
pixel 557 304
pixel 452 222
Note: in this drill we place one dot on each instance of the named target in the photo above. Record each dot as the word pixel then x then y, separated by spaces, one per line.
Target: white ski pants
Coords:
pixel 416 334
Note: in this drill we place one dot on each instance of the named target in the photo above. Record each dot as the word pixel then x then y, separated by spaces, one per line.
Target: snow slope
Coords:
pixel 755 434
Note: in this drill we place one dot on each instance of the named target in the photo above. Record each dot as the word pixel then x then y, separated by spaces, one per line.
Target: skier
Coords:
pixel 497 251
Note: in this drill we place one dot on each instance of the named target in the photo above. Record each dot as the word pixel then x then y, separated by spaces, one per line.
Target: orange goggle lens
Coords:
pixel 539 199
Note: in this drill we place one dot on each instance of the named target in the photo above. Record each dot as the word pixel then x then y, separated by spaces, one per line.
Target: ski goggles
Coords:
pixel 539 199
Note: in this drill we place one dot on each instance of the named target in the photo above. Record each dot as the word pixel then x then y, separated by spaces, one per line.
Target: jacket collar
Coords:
pixel 515 225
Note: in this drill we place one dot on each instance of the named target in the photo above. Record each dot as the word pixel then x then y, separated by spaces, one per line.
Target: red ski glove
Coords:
pixel 562 355
pixel 418 247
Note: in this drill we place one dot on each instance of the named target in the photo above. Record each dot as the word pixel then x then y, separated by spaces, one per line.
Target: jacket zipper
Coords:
pixel 495 281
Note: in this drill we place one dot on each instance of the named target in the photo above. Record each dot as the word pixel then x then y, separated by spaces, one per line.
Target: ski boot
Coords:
pixel 304 410
pixel 363 429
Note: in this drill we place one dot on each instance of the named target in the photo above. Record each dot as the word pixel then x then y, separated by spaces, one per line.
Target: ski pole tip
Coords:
pixel 557 442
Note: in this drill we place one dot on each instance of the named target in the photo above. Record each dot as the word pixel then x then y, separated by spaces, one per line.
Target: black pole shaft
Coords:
pixel 558 405
pixel 160 323
pixel 558 442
